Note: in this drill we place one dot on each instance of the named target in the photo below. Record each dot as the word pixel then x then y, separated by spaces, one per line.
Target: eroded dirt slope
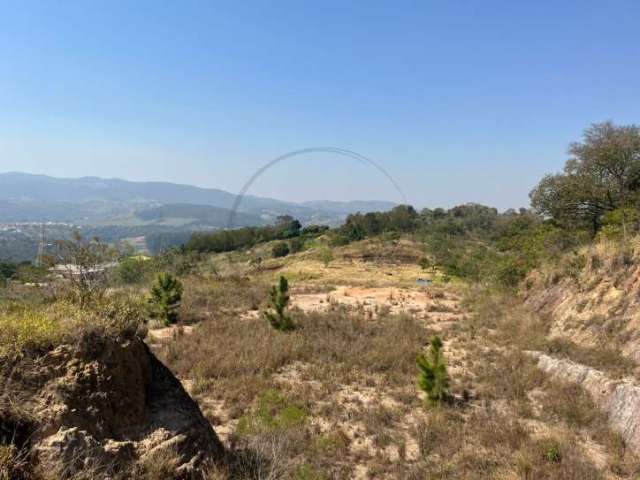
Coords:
pixel 103 405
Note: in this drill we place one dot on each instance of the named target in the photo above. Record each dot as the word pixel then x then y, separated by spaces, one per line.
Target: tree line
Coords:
pixel 597 193
pixel 286 227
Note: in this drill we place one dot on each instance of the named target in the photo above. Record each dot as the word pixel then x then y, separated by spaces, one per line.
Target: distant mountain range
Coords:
pixel 98 201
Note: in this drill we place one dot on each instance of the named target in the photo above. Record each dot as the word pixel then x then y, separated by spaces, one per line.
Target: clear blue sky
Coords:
pixel 459 100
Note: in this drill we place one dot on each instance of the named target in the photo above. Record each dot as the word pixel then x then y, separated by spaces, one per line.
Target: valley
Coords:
pixel 150 216
pixel 458 343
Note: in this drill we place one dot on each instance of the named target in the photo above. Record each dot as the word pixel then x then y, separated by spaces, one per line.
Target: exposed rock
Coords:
pixel 602 302
pixel 72 449
pixel 107 404
pixel 620 399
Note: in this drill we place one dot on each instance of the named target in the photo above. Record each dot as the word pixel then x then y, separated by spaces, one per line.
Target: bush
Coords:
pixel 273 412
pixel 280 249
pixel 7 271
pixel 434 379
pixel 165 297
pixel 314 230
pixel 509 272
pixel 426 264
pixel 296 245
pixel 326 256
pixel 131 270
pixel 176 261
pixel 84 265
pixel 29 273
pixel 279 302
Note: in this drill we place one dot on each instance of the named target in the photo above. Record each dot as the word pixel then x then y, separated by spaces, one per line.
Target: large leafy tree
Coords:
pixel 601 175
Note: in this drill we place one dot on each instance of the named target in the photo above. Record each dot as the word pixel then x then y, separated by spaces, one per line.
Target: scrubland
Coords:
pixel 337 397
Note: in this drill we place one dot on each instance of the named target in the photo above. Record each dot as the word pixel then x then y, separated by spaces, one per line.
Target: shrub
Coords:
pixel 425 263
pixel 552 453
pixel 7 271
pixel 83 263
pixel 434 379
pixel 574 264
pixel 280 249
pixel 509 272
pixel 28 273
pixel 326 256
pixel 279 302
pixel 296 245
pixel 273 412
pixel 175 261
pixel 165 298
pixel 620 223
pixel 131 270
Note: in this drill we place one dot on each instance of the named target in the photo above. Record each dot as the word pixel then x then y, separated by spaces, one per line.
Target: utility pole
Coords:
pixel 42 248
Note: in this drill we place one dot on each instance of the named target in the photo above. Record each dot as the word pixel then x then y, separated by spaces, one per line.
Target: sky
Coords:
pixel 459 101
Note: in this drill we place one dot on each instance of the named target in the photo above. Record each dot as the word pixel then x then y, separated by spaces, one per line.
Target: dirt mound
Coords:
pixel 105 405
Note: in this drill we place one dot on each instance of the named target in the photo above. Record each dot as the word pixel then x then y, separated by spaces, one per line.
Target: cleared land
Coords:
pixel 337 397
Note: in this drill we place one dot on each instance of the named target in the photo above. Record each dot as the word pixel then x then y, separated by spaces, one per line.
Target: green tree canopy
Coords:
pixel 602 175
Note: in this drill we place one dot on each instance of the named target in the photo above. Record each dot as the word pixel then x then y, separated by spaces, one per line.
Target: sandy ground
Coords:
pixel 428 302
pixel 156 336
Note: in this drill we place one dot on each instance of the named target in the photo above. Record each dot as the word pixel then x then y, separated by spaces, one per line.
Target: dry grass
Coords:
pixel 234 359
pixel 206 296
pixel 508 375
pixel 337 397
pixel 354 379
pixel 41 327
pixel 510 324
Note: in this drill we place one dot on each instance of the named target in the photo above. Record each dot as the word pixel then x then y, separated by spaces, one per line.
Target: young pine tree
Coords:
pixel 279 302
pixel 165 298
pixel 434 379
pixel 326 255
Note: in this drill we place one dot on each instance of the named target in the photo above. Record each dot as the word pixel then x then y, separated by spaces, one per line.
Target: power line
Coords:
pixel 42 248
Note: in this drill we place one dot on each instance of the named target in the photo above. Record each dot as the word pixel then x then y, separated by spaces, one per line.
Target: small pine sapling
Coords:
pixel 326 255
pixel 165 298
pixel 424 263
pixel 279 302
pixel 434 379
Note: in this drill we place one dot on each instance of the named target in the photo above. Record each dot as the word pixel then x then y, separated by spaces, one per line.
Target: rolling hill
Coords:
pixel 146 213
pixel 92 200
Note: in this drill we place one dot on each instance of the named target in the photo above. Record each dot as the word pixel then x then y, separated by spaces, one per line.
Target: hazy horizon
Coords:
pixel 183 184
pixel 459 103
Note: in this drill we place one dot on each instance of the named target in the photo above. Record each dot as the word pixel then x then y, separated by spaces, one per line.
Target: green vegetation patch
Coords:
pixel 273 412
pixel 28 327
pixel 36 327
